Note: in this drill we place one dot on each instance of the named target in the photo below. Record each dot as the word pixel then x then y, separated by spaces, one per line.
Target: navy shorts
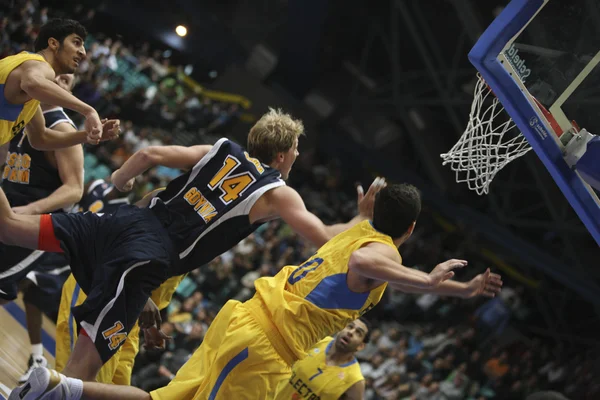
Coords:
pixel 118 260
pixel 15 264
pixel 43 285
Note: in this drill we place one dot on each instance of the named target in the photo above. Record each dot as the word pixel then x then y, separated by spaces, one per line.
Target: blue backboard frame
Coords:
pixel 530 121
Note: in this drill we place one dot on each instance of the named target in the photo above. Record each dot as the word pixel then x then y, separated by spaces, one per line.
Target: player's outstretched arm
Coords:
pixel 168 156
pixel 486 284
pixel 291 208
pixel 381 263
pixel 46 139
pixel 37 81
pixel 69 163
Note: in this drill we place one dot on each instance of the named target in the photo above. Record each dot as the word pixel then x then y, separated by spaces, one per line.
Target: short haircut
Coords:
pixel 369 326
pixel 58 29
pixel 396 207
pixel 275 132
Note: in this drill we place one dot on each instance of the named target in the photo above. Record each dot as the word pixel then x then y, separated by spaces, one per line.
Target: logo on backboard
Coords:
pixel 534 122
pixel 518 63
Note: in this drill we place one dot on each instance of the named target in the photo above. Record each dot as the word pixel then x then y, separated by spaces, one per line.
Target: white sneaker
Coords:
pixel 33 363
pixel 42 383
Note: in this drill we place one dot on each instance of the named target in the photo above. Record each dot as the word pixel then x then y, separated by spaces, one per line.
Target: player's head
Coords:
pixel 65 81
pixel 64 39
pixel 353 337
pixel 274 140
pixel 396 209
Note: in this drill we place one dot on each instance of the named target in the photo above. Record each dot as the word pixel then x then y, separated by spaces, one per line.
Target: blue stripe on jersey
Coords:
pixel 333 293
pixel 8 112
pixel 241 356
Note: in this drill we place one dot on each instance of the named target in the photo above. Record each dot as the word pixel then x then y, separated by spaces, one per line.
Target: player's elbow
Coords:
pixel 75 193
pixel 150 155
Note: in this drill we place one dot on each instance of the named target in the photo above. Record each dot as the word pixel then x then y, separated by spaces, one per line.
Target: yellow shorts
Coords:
pixel 235 361
pixel 118 369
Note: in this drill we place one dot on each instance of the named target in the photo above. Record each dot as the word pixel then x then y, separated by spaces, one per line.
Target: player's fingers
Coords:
pixel 448 275
pixel 374 187
pixel 360 192
pixel 489 293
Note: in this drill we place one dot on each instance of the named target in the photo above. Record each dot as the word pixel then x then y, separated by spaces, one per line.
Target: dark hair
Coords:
pixel 58 29
pixel 369 328
pixel 397 206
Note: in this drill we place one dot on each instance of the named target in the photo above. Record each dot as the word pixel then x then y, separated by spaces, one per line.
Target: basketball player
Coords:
pixel 101 196
pixel 119 258
pixel 250 347
pixel 27 79
pixel 330 371
pixel 38 182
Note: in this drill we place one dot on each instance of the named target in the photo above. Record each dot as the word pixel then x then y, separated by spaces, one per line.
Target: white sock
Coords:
pixel 37 350
pixel 76 386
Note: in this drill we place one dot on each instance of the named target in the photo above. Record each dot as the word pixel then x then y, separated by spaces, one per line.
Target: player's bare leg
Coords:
pixel 18 230
pixel 52 385
pixel 84 362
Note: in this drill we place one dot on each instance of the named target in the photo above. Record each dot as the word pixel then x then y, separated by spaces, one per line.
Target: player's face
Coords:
pixel 65 81
pixel 289 159
pixel 351 338
pixel 70 53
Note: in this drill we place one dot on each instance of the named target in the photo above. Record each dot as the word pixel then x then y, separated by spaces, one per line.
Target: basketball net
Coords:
pixel 490 141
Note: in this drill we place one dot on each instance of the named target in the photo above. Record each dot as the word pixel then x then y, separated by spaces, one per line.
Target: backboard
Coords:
pixel 548 49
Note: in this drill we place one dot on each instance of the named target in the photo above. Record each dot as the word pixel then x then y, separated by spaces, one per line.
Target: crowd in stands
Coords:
pixel 423 347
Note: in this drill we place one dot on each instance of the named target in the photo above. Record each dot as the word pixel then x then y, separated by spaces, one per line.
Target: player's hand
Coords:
pixel 111 129
pixel 444 271
pixel 93 127
pixel 154 338
pixel 121 186
pixel 486 284
pixel 366 201
pixel 150 316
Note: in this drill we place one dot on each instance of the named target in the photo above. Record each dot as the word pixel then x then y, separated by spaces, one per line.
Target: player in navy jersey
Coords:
pixel 101 197
pixel 37 182
pixel 119 258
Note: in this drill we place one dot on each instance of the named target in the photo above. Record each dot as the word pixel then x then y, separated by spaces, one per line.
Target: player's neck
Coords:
pixel 338 357
pixel 49 57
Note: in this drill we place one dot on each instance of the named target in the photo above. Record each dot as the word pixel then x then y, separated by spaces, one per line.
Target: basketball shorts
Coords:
pixel 45 283
pixel 118 369
pixel 235 361
pixel 118 260
pixel 15 264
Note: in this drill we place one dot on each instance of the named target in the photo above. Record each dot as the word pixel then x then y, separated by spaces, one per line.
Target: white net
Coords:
pixel 490 141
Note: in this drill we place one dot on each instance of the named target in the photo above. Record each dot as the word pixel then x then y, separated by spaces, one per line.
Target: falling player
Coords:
pixel 118 259
pixel 250 347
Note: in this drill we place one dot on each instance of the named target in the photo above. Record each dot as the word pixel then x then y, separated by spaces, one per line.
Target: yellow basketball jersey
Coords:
pixel 303 304
pixel 14 117
pixel 313 379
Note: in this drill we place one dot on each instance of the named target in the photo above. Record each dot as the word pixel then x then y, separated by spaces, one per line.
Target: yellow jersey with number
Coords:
pixel 303 304
pixel 14 117
pixel 313 379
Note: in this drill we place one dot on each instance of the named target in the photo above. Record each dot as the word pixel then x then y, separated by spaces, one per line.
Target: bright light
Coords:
pixel 181 30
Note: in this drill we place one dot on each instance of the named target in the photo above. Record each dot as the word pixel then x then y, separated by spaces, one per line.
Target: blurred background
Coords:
pixel 383 88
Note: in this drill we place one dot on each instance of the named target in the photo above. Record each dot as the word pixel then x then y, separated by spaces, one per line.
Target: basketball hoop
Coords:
pixel 490 141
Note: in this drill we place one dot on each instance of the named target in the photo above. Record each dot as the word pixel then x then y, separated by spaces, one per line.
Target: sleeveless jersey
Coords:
pixel 206 211
pixel 14 117
pixel 28 176
pixel 313 379
pixel 94 200
pixel 309 302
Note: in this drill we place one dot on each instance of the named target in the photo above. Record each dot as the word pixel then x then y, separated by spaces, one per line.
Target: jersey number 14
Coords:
pixel 233 186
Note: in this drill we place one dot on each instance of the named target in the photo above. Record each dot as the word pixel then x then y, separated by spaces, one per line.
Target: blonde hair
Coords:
pixel 275 132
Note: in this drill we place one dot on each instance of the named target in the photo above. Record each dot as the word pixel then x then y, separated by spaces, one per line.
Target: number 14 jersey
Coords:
pixel 206 211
